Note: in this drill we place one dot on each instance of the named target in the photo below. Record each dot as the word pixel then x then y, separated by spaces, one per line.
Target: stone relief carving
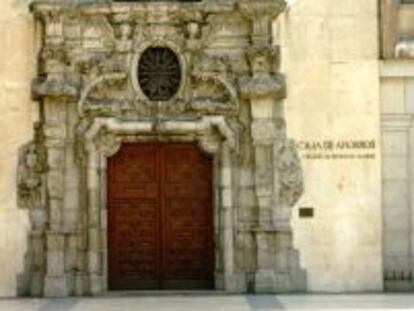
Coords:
pixel 289 168
pixel 264 80
pixel 30 174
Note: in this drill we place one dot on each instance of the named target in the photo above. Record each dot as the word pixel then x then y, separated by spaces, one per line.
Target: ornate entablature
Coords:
pixel 92 52
pixel 112 72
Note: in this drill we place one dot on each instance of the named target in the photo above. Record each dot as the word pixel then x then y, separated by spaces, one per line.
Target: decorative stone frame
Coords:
pixel 213 135
pixel 230 102
pixel 183 66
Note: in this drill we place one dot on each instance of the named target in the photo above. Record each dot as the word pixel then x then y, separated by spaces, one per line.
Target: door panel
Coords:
pixel 134 233
pixel 160 217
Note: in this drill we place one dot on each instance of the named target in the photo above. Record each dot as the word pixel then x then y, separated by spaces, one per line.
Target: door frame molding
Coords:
pixel 214 135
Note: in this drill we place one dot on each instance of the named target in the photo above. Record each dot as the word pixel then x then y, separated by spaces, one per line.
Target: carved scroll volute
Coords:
pixel 53 54
pixel 107 144
pixel 210 142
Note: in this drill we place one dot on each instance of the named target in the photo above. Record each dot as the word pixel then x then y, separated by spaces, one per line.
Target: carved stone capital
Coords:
pixel 261 14
pixel 52 16
pixel 262 8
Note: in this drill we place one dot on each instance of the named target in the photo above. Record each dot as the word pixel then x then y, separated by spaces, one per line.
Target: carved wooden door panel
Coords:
pixel 187 224
pixel 160 217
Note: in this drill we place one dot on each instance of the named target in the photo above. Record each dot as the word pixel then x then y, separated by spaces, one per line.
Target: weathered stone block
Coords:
pixel 94 262
pixel 282 260
pixel 284 240
pixel 55 184
pixel 82 284
pixel 55 286
pixel 246 178
pixel 263 132
pixel 55 265
pixel 37 284
pixel 94 239
pixel 55 241
pixel 226 197
pixel 247 197
pixel 96 284
pixel 265 282
pixel 236 283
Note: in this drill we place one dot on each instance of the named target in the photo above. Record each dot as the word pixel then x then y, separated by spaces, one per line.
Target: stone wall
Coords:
pixel 330 57
pixel 397 107
pixel 16 120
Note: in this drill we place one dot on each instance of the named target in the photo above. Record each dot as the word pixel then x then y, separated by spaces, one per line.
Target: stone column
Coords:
pixel 233 282
pixel 274 156
pixel 55 93
pixel 264 89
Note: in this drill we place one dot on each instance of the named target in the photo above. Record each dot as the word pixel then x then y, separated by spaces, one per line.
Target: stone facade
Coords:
pixel 230 100
pixel 70 96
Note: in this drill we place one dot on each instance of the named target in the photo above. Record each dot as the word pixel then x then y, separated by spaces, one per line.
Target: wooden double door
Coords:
pixel 160 217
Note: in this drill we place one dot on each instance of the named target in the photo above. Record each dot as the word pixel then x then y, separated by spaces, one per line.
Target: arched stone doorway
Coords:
pixel 227 97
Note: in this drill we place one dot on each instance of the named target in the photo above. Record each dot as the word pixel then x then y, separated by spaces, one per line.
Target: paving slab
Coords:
pixel 209 302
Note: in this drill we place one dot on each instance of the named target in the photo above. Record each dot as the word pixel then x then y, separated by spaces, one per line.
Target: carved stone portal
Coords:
pixel 212 77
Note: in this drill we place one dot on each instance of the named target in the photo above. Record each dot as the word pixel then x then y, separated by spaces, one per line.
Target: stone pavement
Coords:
pixel 198 302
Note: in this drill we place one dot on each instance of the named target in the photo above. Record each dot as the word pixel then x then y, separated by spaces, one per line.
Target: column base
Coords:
pixel 265 281
pixel 268 281
pixel 235 283
pixel 56 286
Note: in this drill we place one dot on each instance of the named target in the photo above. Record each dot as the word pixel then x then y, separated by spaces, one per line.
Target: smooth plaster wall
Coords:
pixel 16 119
pixel 330 57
